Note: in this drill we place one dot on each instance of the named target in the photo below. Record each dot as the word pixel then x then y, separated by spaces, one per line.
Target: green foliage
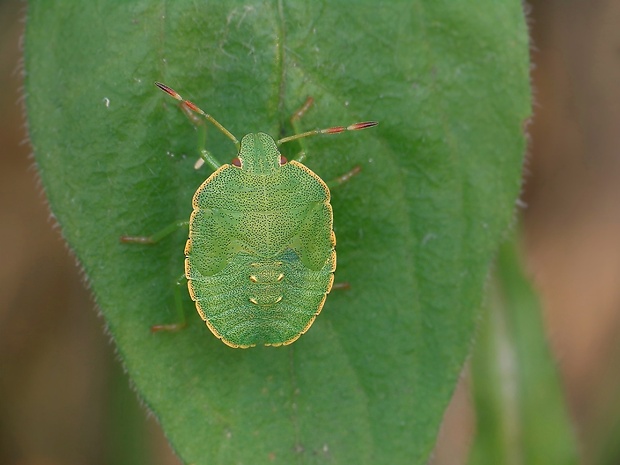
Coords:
pixel 521 416
pixel 416 229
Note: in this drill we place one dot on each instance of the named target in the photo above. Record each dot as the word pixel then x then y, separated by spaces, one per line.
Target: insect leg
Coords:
pixel 343 286
pixel 201 126
pixel 193 112
pixel 343 178
pixel 178 303
pixel 301 112
pixel 295 118
pixel 158 236
pixel 206 157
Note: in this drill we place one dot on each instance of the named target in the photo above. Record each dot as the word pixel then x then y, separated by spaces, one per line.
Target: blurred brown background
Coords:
pixel 61 389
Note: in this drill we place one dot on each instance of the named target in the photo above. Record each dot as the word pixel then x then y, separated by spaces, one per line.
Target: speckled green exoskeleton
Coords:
pixel 260 257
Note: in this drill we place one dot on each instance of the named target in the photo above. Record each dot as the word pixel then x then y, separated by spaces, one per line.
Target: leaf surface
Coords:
pixel 416 229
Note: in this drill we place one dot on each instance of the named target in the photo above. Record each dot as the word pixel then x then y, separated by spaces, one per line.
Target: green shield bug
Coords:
pixel 260 256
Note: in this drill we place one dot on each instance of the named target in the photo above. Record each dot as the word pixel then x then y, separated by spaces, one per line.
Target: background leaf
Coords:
pixel 416 230
pixel 520 410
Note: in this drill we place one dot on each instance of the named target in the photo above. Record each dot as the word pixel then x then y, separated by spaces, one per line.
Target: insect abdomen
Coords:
pixel 257 301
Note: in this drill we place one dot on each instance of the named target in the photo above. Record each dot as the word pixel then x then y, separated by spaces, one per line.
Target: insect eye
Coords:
pixel 283 160
pixel 236 162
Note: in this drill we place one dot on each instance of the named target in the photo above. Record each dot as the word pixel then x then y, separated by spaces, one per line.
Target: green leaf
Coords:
pixel 521 416
pixel 416 229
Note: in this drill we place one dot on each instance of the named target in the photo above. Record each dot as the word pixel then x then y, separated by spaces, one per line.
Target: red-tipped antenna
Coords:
pixel 332 130
pixel 191 106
